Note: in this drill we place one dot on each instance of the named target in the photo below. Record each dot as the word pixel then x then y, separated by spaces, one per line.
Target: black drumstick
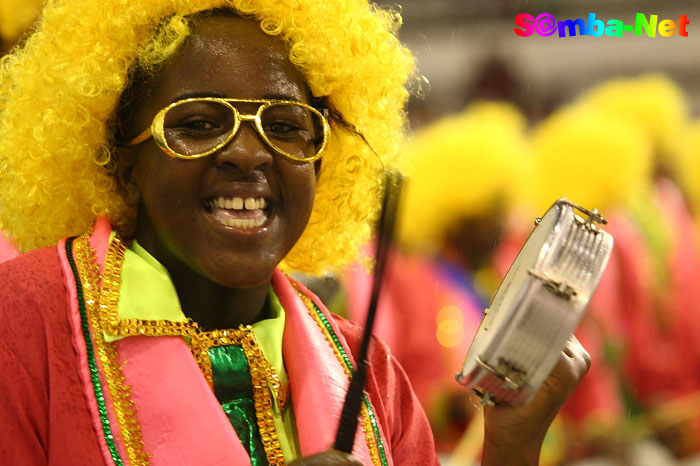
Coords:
pixel 345 438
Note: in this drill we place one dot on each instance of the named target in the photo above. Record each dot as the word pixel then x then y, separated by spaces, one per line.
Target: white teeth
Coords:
pixel 254 205
pixel 238 203
pixel 242 223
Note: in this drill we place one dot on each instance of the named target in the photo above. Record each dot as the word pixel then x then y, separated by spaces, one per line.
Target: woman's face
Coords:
pixel 195 215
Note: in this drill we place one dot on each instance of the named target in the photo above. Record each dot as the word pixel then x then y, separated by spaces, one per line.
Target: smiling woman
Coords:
pixel 212 143
pixel 234 245
pixel 181 153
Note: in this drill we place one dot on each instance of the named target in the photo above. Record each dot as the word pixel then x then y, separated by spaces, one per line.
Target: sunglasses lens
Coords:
pixel 293 129
pixel 194 127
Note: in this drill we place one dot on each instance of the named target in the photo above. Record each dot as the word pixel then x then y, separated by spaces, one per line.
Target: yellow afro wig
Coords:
pixel 60 91
pixel 459 167
pixel 16 16
pixel 591 157
pixel 653 102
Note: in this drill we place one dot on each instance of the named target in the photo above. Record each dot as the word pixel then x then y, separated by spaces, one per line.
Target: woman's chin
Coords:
pixel 243 274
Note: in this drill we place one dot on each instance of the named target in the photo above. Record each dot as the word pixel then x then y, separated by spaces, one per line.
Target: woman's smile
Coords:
pixel 244 209
pixel 238 212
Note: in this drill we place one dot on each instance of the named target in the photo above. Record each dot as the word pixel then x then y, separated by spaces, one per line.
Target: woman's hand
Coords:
pixel 514 435
pixel 327 458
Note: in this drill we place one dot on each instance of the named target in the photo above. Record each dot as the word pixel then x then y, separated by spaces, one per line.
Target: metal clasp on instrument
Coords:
pixel 593 217
pixel 513 377
pixel 558 287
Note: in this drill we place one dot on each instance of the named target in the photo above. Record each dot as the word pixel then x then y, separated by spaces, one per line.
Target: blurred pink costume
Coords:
pixel 414 292
pixel 7 249
pixel 658 333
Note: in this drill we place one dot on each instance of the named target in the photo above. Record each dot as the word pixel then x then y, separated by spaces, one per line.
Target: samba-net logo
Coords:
pixel 546 25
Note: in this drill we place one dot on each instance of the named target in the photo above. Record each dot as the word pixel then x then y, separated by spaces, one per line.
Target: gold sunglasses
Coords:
pixel 198 127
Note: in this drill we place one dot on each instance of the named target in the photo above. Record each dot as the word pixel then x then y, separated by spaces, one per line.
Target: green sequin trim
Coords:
pixel 370 411
pixel 92 363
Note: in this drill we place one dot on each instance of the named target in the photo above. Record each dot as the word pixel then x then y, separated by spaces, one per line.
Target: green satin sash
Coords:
pixel 234 390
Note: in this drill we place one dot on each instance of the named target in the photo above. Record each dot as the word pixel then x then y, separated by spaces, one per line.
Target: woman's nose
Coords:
pixel 246 150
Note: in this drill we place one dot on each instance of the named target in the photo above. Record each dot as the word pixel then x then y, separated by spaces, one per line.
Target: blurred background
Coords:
pixel 467 49
pixel 503 126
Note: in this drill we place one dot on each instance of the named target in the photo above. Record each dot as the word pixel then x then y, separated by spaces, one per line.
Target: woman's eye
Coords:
pixel 197 125
pixel 285 129
pixel 281 127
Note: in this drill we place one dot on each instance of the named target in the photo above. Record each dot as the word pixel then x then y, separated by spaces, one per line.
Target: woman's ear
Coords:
pixel 126 159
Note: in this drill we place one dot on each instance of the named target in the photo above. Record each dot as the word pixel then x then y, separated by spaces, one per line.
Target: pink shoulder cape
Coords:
pixel 180 419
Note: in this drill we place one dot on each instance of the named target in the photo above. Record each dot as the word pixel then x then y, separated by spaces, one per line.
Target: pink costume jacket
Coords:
pixel 53 414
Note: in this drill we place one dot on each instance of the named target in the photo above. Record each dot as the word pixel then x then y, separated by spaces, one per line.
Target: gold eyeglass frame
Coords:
pixel 157 131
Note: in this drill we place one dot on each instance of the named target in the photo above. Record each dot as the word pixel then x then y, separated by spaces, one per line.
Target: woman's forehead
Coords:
pixel 229 56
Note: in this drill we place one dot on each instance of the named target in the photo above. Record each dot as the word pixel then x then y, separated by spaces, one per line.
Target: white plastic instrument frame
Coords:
pixel 539 304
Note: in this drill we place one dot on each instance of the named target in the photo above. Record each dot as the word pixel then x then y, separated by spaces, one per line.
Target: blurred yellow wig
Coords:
pixel 16 16
pixel 690 166
pixel 60 91
pixel 653 102
pixel 591 157
pixel 459 167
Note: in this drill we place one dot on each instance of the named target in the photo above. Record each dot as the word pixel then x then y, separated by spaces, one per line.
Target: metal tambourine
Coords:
pixel 538 305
